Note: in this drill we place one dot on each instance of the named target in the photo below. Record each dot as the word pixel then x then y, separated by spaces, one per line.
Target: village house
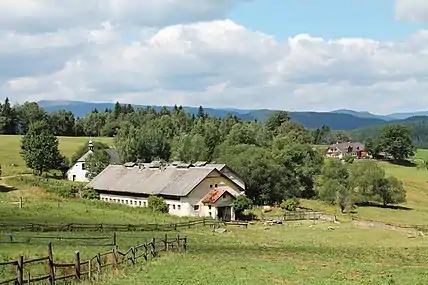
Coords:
pixel 339 150
pixel 78 171
pixel 188 189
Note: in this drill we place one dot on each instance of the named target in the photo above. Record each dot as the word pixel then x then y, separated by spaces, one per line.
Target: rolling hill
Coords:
pixel 336 120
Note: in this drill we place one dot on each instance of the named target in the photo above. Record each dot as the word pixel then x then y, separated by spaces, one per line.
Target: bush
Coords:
pixel 241 204
pixel 348 158
pixel 290 205
pixel 157 204
pixel 90 194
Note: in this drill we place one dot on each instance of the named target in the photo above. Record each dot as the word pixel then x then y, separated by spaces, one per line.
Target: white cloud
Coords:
pixel 216 63
pixel 411 10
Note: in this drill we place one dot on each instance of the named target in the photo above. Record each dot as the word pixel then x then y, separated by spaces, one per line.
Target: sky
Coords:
pixel 249 54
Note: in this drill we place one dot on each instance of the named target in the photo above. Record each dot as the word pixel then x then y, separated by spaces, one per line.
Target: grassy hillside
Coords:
pixel 295 253
pixel 12 162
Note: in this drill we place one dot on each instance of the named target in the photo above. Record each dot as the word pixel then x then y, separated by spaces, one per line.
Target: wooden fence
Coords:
pixel 94 266
pixel 45 227
pixel 87 241
pixel 295 216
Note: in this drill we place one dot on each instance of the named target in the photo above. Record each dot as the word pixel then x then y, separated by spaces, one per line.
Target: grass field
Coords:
pixel 295 253
pixel 298 253
pixel 11 145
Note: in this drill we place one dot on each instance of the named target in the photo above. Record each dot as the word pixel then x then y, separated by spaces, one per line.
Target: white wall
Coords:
pixel 175 207
pixel 78 172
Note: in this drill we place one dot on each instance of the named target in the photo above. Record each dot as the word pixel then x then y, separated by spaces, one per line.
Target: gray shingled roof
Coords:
pixel 343 147
pixel 169 181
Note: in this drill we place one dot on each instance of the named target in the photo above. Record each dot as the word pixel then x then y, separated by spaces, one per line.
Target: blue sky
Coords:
pixel 327 18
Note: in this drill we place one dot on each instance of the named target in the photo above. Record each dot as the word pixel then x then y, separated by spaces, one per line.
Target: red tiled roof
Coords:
pixel 213 195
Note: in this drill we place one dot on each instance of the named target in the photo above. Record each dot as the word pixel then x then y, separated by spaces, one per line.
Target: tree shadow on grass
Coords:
pixel 377 205
pixel 5 189
pixel 405 163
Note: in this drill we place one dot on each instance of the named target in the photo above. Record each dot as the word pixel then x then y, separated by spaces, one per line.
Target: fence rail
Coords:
pixel 86 241
pixel 294 216
pixel 69 227
pixel 94 266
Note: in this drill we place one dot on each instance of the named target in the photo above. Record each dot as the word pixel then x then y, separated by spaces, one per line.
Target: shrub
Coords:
pixel 157 204
pixel 241 204
pixel 348 158
pixel 290 205
pixel 90 194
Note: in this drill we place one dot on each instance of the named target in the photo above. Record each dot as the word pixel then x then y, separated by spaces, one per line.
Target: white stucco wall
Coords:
pixel 175 207
pixel 78 172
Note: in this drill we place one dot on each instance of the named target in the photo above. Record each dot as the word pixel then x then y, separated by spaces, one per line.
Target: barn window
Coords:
pixel 179 207
pixel 196 207
pixel 139 203
pixel 211 186
pixel 83 166
pixel 173 206
pixel 209 207
pixel 144 204
pixel 216 186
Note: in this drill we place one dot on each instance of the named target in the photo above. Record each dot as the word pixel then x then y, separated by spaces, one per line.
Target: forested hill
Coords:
pixel 417 125
pixel 311 120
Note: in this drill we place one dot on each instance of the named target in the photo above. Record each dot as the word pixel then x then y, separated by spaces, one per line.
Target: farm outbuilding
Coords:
pixel 189 190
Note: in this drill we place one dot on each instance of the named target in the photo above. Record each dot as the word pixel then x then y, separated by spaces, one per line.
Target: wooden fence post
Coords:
pixel 20 270
pixel 185 244
pixel 115 256
pixel 77 264
pixel 153 249
pixel 90 269
pixel 114 239
pixel 145 251
pixel 133 255
pixel 20 203
pixel 99 263
pixel 28 278
pixel 51 265
pixel 178 241
pixel 165 243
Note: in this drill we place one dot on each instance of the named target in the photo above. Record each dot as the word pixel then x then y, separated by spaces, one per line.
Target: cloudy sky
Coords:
pixel 293 55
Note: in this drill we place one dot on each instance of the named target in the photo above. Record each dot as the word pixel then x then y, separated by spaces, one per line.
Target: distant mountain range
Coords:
pixel 336 120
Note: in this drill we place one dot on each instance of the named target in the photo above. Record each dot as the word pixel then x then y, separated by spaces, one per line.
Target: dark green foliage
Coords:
pixel 96 162
pixel 348 158
pixel 361 182
pixel 84 148
pixel 290 205
pixel 396 140
pixel 390 191
pixel 157 204
pixel 417 126
pixel 241 204
pixel 90 194
pixel 39 148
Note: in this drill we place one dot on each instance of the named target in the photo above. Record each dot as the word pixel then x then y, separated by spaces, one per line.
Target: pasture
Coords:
pixel 294 253
pixel 12 163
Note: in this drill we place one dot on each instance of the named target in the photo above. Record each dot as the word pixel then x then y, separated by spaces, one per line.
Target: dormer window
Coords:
pixel 83 166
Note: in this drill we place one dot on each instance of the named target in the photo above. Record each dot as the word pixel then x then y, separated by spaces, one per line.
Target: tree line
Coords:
pixel 277 158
